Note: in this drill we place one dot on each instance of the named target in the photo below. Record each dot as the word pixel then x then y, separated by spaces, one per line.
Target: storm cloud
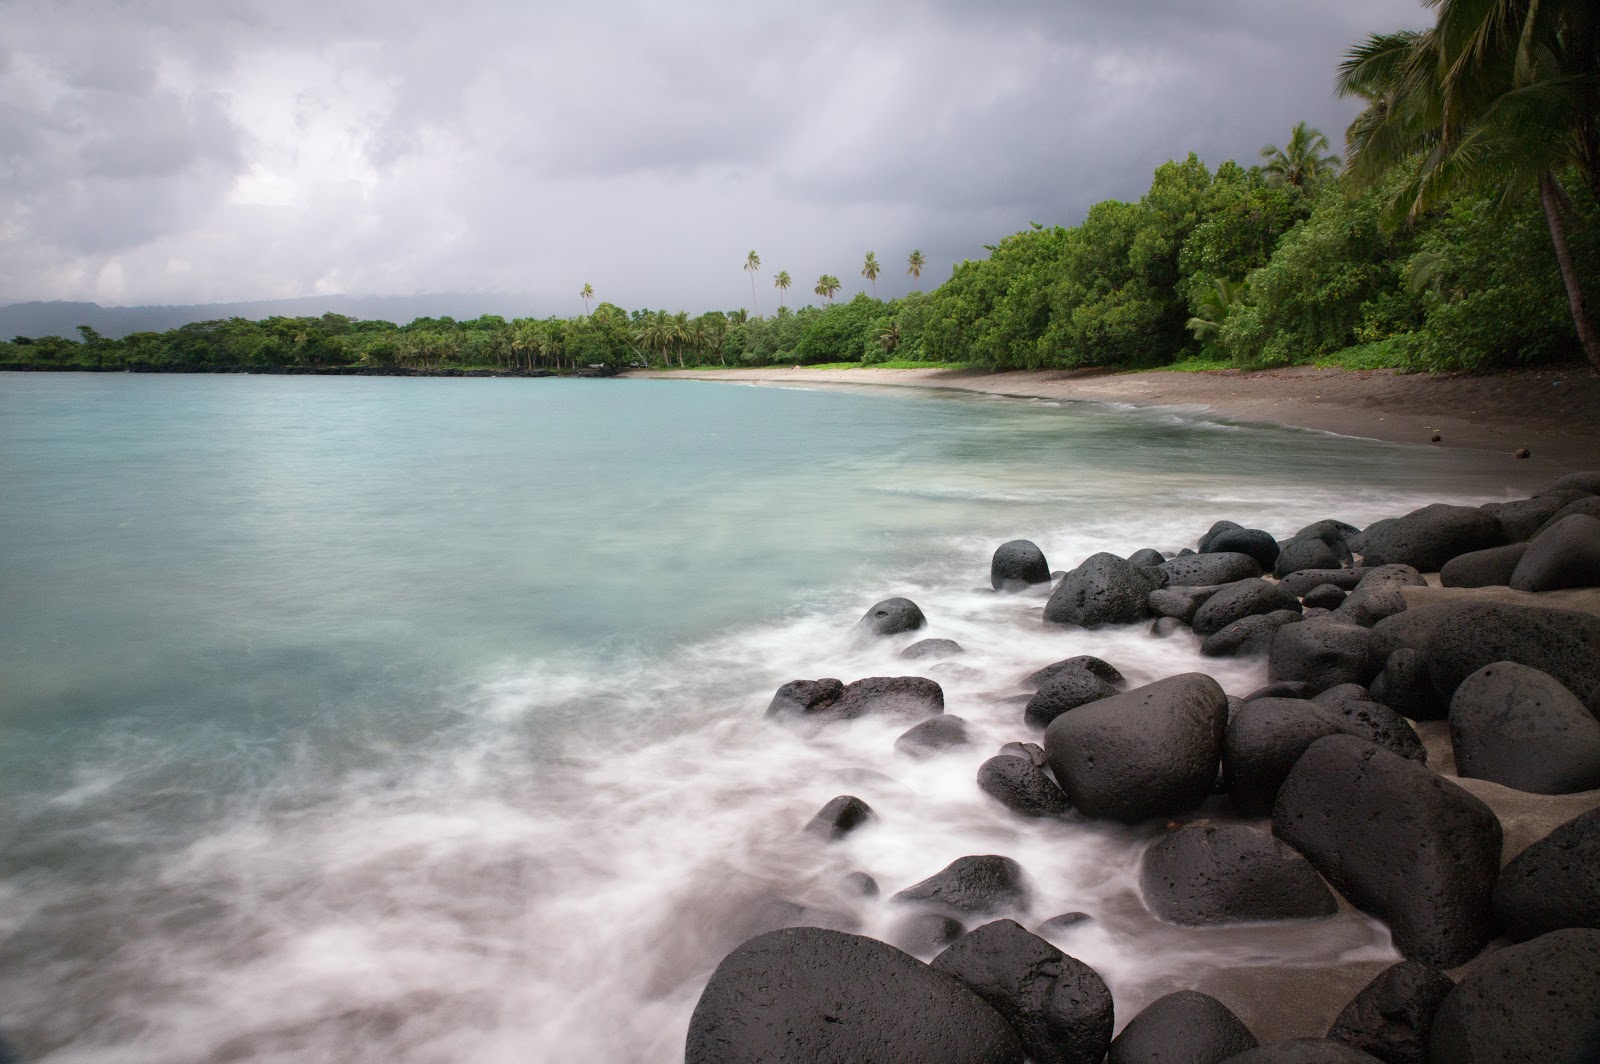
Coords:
pixel 165 151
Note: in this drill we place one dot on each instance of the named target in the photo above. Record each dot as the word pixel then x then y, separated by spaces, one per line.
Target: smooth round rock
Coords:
pixel 1304 1051
pixel 1266 736
pixel 1483 568
pixel 1243 598
pixel 925 934
pixel 891 617
pixel 1431 536
pixel 859 885
pixel 1144 753
pixel 1186 1027
pixel 1016 565
pixel 1391 1016
pixel 1060 1007
pixel 806 995
pixel 1180 603
pixel 1146 557
pixel 1033 753
pixel 933 737
pixel 1298 583
pixel 1553 884
pixel 1298 555
pixel 1252 541
pixel 1405 687
pixel 1217 529
pixel 1201 570
pixel 1587 482
pixel 1380 594
pixel 1589 507
pixel 1328 530
pixel 1323 653
pixel 1248 637
pixel 1105 589
pixel 840 817
pixel 1199 876
pixel 1021 786
pixel 1538 1001
pixel 1520 728
pixel 1522 518
pixel 1397 840
pixel 931 648
pixel 1567 554
pixel 1098 667
pixel 812 704
pixel 1065 690
pixel 972 885
pixel 1063 922
pixel 1325 597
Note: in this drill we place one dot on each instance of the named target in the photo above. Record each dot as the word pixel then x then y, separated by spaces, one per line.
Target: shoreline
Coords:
pixel 1554 413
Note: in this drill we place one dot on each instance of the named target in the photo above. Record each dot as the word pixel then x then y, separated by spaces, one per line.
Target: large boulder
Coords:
pixel 1179 603
pixel 1323 652
pixel 840 817
pixel 1298 583
pixel 1103 669
pixel 1519 520
pixel 1380 594
pixel 1554 883
pixel 1405 687
pixel 1392 1015
pixel 925 934
pixel 1186 1027
pixel 1017 565
pixel 933 737
pixel 1065 690
pixel 1248 636
pixel 1458 639
pixel 1021 786
pixel 1105 589
pixel 1304 1051
pixel 1203 544
pixel 1243 598
pixel 1299 555
pixel 1328 530
pixel 931 648
pixel 1059 1006
pixel 806 995
pixel 1536 1002
pixel 1520 728
pixel 1146 558
pixel 1587 482
pixel 1399 841
pixel 1483 568
pixel 1589 507
pixel 1199 570
pixel 1252 541
pixel 1567 554
pixel 1149 752
pixel 1198 876
pixel 818 702
pixel 972 885
pixel 891 617
pixel 1266 736
pixel 1427 538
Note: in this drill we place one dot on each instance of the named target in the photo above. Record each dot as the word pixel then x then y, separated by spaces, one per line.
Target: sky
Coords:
pixel 191 151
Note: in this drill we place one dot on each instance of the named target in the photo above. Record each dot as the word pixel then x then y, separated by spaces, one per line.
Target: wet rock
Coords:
pixel 1521 519
pixel 972 885
pixel 1146 558
pixel 1587 482
pixel 1404 686
pixel 933 737
pixel 1199 876
pixel 951 671
pixel 1339 694
pixel 1064 922
pixel 1016 565
pixel 1282 689
pixel 840 817
pixel 1325 597
pixel 814 703
pixel 1060 1007
pixel 1427 538
pixel 1538 1001
pixel 1303 1051
pixel 1299 555
pixel 1066 689
pixel 1236 601
pixel 891 617
pixel 1179 602
pixel 1100 668
pixel 1553 884
pixel 1520 728
pixel 1567 554
pixel 1166 627
pixel 1589 507
pixel 925 934
pixel 1105 589
pixel 1217 529
pixel 1249 636
pixel 811 996
pixel 1252 541
pixel 1399 841
pixel 1483 568
pixel 1323 653
pixel 859 885
pixel 1201 570
pixel 1329 531
pixel 1021 786
pixel 1033 753
pixel 1391 1016
pixel 799 698
pixel 1380 594
pixel 931 648
pixel 1303 581
pixel 1144 753
pixel 1187 1027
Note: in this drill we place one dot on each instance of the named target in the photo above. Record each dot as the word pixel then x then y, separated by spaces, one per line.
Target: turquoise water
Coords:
pixel 352 718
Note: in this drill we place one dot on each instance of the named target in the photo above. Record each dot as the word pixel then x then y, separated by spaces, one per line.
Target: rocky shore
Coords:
pixel 1426 749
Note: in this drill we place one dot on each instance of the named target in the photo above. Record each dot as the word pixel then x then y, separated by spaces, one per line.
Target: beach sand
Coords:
pixel 1553 412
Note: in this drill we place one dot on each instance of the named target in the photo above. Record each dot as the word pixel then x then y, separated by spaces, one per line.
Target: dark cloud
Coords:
pixel 175 152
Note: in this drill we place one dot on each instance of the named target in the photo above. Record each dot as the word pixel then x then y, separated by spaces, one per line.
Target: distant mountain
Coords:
pixel 60 318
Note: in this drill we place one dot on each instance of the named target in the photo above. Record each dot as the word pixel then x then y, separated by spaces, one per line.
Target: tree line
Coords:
pixel 1460 231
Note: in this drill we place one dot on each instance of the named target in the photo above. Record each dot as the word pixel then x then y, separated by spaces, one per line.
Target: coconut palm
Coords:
pixel 827 286
pixel 587 294
pixel 781 283
pixel 889 339
pixel 1498 97
pixel 1303 162
pixel 752 265
pixel 914 264
pixel 869 270
pixel 1213 304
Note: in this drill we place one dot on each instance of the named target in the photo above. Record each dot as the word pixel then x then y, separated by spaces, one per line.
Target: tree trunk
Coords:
pixel 1588 334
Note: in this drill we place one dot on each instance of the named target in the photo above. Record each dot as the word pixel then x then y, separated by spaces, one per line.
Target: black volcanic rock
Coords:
pixel 891 617
pixel 1520 728
pixel 1199 876
pixel 1538 1001
pixel 840 817
pixel 972 885
pixel 1022 787
pixel 1391 1016
pixel 1553 884
pixel 1066 689
pixel 1016 565
pixel 1186 1027
pixel 1105 589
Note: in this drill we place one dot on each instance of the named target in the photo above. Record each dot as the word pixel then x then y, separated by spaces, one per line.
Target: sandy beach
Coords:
pixel 1551 412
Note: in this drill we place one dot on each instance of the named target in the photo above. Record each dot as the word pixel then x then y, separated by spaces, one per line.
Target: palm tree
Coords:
pixel 781 283
pixel 827 286
pixel 587 294
pixel 1303 162
pixel 889 339
pixel 752 265
pixel 1213 304
pixel 914 265
pixel 869 270
pixel 1497 98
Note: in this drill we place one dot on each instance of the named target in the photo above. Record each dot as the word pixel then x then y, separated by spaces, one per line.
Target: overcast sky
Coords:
pixel 180 151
